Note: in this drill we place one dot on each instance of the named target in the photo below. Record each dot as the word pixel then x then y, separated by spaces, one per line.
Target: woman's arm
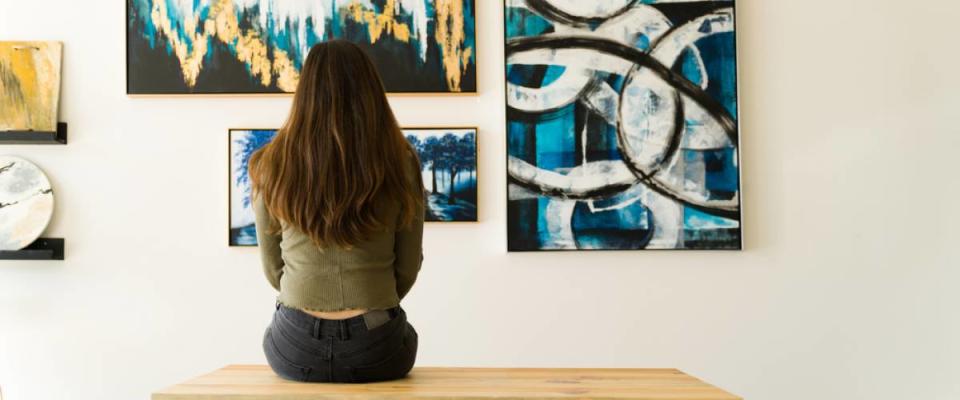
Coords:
pixel 408 249
pixel 269 243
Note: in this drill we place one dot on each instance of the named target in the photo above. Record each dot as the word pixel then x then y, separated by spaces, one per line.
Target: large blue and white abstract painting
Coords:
pixel 448 161
pixel 622 125
pixel 258 46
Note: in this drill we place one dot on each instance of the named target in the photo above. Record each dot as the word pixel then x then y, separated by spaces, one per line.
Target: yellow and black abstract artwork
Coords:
pixel 29 85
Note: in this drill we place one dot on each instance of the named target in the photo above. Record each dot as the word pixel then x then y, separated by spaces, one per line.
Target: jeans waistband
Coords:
pixel 338 328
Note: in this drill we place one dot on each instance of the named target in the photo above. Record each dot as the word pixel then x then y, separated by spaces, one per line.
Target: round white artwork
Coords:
pixel 26 203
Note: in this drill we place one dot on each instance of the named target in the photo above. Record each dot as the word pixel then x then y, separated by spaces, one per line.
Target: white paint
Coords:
pixel 627 27
pixel 242 214
pixel 648 100
pixel 648 111
pixel 673 44
pixel 841 294
pixel 581 64
pixel 668 218
pixel 26 202
pixel 565 89
pixel 590 9
pixel 418 9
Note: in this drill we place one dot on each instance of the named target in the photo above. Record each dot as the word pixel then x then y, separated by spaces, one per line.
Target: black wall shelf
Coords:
pixel 35 137
pixel 42 249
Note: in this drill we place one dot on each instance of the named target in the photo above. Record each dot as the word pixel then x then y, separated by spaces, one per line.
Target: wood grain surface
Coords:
pixel 258 382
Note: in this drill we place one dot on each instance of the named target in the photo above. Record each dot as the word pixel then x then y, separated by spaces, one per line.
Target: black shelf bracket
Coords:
pixel 42 249
pixel 35 137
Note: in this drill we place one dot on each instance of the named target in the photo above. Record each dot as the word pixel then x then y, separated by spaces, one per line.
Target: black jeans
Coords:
pixel 304 348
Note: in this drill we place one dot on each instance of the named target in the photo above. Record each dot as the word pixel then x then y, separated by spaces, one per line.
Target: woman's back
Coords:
pixel 340 205
pixel 372 274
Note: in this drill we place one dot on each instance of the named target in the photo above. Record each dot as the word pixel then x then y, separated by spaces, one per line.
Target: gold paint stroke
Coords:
pixel 450 37
pixel 29 85
pixel 378 24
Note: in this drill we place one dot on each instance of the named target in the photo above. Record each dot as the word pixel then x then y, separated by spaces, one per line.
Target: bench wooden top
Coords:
pixel 258 382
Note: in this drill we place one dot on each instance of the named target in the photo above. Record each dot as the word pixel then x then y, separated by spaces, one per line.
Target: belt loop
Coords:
pixel 316 328
pixel 344 331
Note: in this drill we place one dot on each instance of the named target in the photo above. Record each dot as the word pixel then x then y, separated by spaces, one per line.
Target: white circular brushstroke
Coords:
pixel 649 105
pixel 648 110
pixel 640 20
pixel 589 8
pixel 581 65
pixel 26 203
pixel 667 214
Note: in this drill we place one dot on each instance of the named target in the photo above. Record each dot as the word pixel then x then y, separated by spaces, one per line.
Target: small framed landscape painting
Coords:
pixel 249 47
pixel 448 160
pixel 448 157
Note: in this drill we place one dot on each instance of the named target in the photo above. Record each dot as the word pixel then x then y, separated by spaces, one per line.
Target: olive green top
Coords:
pixel 372 275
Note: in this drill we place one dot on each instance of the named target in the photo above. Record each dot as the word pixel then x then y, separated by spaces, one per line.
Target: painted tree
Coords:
pixel 415 143
pixel 432 153
pixel 454 161
pixel 468 153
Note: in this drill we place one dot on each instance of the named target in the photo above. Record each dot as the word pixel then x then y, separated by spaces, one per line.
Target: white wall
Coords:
pixel 847 289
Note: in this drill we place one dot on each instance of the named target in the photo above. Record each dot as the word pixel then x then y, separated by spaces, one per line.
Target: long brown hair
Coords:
pixel 339 153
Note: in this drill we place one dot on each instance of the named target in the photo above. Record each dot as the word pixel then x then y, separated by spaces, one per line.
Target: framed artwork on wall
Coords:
pixel 29 86
pixel 250 47
pixel 448 159
pixel 243 143
pixel 622 128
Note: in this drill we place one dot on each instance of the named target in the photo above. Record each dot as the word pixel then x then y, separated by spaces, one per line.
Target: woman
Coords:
pixel 339 204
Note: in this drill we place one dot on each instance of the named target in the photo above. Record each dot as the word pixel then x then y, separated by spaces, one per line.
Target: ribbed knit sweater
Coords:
pixel 372 275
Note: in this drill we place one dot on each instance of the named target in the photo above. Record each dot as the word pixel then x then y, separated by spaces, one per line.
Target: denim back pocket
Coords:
pixel 392 362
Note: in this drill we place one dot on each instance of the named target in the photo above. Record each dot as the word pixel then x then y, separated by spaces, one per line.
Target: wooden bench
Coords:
pixel 255 382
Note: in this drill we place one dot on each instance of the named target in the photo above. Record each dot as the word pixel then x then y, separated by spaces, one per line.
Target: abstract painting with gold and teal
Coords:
pixel 258 46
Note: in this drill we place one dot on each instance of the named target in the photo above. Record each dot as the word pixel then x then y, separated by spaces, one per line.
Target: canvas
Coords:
pixel 448 159
pixel 29 85
pixel 258 46
pixel 622 125
pixel 243 143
